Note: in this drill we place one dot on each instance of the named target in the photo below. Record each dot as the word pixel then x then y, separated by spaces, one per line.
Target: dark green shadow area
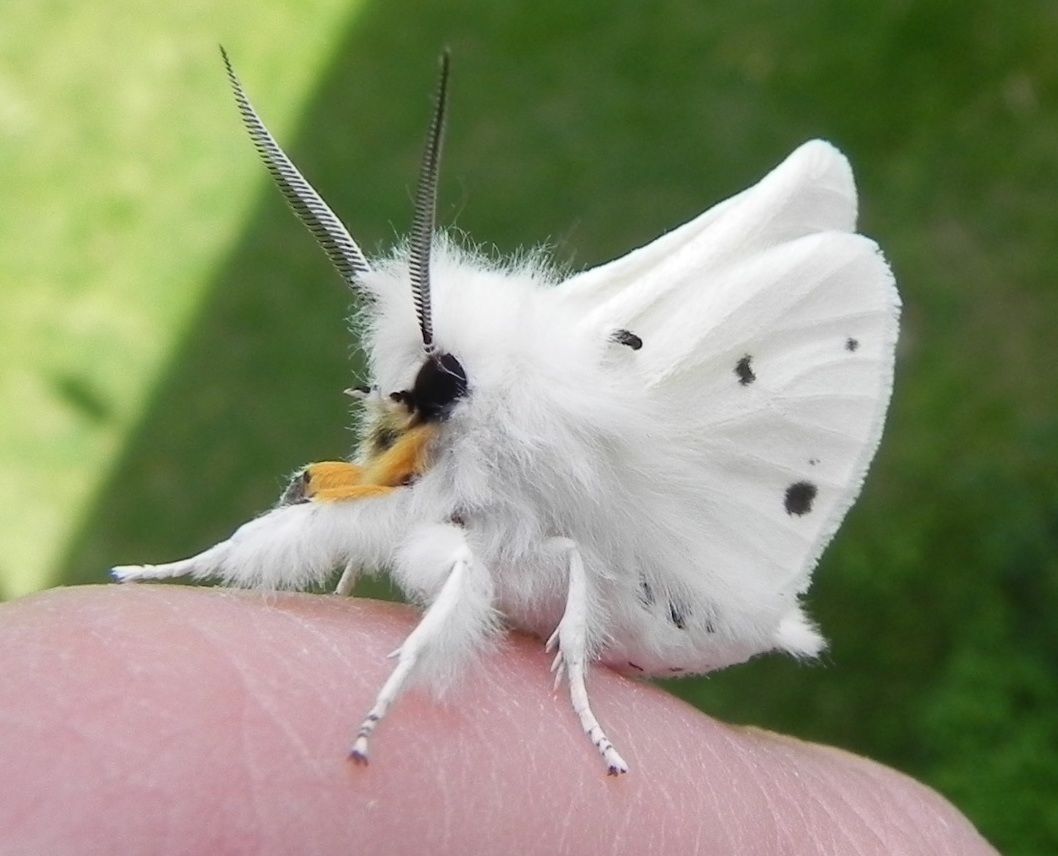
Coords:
pixel 598 126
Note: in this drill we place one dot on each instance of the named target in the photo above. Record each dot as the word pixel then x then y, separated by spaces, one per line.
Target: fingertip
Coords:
pixel 240 706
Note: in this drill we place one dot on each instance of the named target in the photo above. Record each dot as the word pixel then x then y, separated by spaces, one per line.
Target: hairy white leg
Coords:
pixel 347 580
pixel 457 617
pixel 571 639
pixel 198 565
pixel 293 546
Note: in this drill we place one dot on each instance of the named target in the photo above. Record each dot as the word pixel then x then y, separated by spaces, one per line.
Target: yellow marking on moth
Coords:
pixel 327 475
pixel 402 462
pixel 351 491
pixel 397 466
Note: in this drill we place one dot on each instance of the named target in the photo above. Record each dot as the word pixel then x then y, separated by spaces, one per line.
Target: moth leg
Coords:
pixel 293 546
pixel 347 580
pixel 459 614
pixel 196 566
pixel 571 640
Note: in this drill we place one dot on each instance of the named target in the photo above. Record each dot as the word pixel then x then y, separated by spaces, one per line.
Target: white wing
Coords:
pixel 768 332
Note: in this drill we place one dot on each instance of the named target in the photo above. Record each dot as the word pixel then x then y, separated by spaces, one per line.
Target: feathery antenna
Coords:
pixel 317 216
pixel 426 210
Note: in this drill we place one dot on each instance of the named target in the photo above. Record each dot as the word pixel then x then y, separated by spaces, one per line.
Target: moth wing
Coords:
pixel 811 191
pixel 768 332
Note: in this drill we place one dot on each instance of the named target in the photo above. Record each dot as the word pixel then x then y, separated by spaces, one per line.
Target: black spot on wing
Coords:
pixel 813 461
pixel 677 616
pixel 799 498
pixel 745 371
pixel 628 338
pixel 646 592
pixel 851 344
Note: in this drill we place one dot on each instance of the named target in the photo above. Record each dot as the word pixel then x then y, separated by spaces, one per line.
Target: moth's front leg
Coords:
pixel 571 640
pixel 293 546
pixel 460 615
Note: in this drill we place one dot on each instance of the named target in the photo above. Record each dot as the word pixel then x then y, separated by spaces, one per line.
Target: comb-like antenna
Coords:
pixel 317 216
pixel 426 211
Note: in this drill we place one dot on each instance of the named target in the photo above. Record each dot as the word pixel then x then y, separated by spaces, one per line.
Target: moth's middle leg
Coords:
pixel 571 661
pixel 458 616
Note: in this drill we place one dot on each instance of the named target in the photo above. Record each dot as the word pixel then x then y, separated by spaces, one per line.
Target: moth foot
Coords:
pixel 616 764
pixel 138 573
pixel 358 754
pixel 127 573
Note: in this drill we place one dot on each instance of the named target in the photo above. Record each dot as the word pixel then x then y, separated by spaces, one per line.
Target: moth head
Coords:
pixel 441 380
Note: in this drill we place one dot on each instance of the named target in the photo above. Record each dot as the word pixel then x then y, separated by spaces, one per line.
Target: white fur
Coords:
pixel 665 472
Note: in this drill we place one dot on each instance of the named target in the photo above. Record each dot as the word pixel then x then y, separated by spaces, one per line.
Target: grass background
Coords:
pixel 173 343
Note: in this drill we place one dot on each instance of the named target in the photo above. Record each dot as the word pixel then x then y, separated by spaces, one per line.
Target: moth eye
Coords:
pixel 851 344
pixel 799 498
pixel 627 338
pixel 744 370
pixel 440 383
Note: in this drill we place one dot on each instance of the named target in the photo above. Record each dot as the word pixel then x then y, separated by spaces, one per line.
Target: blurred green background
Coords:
pixel 173 343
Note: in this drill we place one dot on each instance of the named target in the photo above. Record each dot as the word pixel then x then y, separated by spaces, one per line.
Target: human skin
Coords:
pixel 168 719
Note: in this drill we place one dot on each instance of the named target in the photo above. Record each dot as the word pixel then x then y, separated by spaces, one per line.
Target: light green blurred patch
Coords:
pixel 124 180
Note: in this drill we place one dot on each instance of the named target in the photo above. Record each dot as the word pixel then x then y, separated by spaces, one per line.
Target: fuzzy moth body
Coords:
pixel 641 464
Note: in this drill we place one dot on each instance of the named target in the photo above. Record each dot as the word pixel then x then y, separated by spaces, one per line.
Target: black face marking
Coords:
pixel 676 616
pixel 440 383
pixel 851 344
pixel 646 593
pixel 799 498
pixel 627 337
pixel 744 371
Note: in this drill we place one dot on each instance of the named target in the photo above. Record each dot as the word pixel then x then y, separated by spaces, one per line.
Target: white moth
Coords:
pixel 641 463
